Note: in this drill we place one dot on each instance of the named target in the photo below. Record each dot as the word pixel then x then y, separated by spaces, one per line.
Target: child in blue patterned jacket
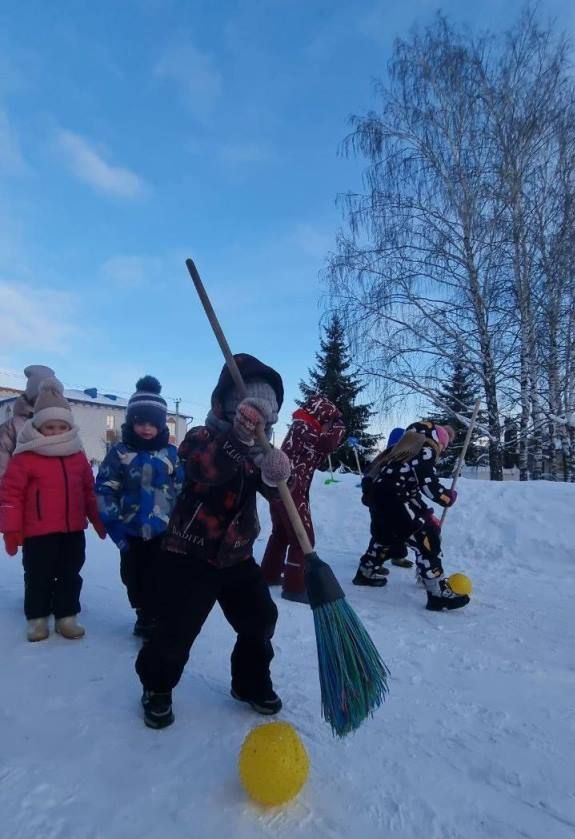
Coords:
pixel 136 488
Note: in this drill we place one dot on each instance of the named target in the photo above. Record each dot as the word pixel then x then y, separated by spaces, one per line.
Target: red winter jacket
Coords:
pixel 317 431
pixel 41 495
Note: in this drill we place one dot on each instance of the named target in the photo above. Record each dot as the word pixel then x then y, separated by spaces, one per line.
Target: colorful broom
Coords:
pixel 353 678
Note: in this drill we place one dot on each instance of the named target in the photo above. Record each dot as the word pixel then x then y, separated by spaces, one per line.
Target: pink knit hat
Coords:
pixel 443 436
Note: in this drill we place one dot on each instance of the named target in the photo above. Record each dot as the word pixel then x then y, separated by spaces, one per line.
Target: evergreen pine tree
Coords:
pixel 459 396
pixel 331 379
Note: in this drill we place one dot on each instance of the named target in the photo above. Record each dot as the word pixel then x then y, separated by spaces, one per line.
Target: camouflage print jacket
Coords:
pixel 215 519
pixel 136 491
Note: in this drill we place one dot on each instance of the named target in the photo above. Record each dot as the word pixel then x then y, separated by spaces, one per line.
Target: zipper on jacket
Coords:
pixel 38 510
pixel 191 521
pixel 66 493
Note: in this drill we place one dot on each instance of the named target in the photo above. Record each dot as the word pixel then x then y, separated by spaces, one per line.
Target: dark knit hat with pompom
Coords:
pixel 146 404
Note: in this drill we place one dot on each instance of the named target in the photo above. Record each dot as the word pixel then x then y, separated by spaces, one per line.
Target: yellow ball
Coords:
pixel 273 763
pixel 460 584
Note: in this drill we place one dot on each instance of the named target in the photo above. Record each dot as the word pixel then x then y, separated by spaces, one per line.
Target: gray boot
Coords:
pixel 38 629
pixel 70 628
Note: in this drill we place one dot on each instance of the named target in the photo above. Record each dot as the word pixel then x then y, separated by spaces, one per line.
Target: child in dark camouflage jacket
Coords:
pixel 208 547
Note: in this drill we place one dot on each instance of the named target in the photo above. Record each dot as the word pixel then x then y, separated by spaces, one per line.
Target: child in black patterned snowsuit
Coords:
pixel 372 571
pixel 405 474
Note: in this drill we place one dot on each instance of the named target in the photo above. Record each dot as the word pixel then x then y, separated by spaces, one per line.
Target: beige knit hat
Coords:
pixel 51 404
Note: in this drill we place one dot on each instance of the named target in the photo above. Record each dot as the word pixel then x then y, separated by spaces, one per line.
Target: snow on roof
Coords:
pixel 92 396
pixel 89 396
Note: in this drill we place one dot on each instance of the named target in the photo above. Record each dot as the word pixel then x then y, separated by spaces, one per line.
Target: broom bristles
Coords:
pixel 353 677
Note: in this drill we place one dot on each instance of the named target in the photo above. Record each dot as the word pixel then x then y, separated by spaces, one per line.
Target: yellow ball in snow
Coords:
pixel 460 584
pixel 273 763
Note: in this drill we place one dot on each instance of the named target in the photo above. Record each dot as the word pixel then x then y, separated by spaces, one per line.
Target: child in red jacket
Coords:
pixel 46 495
pixel 317 430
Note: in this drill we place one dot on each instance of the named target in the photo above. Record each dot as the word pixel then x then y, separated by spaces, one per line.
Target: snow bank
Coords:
pixel 477 738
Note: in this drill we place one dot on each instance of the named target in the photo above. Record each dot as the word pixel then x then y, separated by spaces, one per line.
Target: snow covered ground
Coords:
pixel 477 738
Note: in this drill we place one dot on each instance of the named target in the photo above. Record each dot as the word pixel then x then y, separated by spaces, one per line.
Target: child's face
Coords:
pixel 54 427
pixel 145 430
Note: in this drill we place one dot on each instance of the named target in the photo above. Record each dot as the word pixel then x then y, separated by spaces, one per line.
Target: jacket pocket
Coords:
pixel 38 507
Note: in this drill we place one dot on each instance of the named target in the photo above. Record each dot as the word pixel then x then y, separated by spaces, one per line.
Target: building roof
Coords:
pixel 90 396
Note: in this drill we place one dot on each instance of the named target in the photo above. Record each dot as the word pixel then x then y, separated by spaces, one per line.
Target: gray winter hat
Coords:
pixel 36 373
pixel 51 404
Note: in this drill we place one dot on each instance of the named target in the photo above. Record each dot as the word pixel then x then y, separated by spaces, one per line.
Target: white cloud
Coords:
pixel 130 272
pixel 11 158
pixel 195 74
pixel 312 241
pixel 239 153
pixel 89 166
pixel 12 80
pixel 36 319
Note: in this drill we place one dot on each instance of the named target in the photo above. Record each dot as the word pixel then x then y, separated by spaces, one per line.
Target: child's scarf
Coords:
pixel 59 445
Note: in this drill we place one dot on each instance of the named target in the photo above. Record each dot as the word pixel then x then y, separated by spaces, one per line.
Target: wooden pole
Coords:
pixel 283 489
pixel 461 458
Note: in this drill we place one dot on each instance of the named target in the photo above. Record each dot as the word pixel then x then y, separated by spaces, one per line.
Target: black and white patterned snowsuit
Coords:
pixel 399 512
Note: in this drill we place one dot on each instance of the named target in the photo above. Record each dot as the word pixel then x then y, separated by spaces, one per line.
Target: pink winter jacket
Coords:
pixel 10 429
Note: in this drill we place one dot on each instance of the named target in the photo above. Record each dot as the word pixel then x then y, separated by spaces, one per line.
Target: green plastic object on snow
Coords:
pixel 331 479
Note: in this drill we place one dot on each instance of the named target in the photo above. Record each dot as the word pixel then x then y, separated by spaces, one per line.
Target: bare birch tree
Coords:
pixel 458 241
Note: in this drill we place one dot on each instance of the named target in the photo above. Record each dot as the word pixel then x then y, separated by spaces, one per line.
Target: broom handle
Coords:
pixel 461 459
pixel 283 489
pixel 359 472
pixel 330 466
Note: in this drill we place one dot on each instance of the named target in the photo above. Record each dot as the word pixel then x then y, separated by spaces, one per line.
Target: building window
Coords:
pixel 110 422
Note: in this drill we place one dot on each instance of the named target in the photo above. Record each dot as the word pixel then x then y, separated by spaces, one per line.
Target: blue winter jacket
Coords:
pixel 137 490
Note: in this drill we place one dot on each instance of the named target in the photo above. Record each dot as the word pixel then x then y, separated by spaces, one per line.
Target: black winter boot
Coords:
pixel 157 709
pixel 266 703
pixel 370 572
pixel 402 562
pixel 295 596
pixel 444 598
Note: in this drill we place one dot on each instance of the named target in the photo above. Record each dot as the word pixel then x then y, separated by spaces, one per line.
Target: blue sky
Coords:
pixel 134 133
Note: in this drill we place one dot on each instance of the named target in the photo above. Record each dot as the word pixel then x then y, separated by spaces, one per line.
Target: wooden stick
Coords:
pixel 283 488
pixel 359 472
pixel 461 459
